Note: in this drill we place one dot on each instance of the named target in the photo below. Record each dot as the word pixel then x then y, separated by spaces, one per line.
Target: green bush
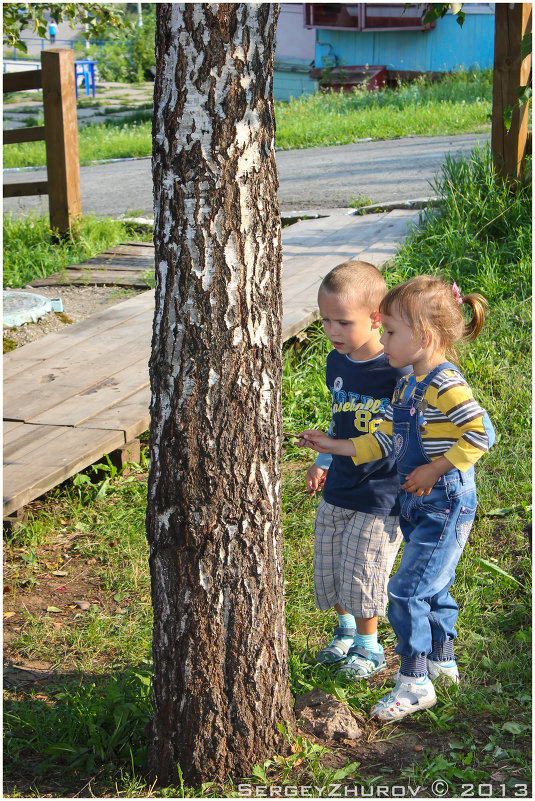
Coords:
pixel 127 58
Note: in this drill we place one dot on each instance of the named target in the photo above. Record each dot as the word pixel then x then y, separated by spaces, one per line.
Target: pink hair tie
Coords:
pixel 456 293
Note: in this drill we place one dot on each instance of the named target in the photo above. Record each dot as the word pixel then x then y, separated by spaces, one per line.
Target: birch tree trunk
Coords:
pixel 221 680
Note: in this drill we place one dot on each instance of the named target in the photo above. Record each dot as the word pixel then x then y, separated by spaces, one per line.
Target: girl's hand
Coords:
pixel 321 443
pixel 316 440
pixel 422 480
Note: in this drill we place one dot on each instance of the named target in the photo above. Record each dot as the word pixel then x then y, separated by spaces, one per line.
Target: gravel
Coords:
pixel 79 302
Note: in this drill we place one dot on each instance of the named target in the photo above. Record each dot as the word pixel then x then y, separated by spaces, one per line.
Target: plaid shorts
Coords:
pixel 354 553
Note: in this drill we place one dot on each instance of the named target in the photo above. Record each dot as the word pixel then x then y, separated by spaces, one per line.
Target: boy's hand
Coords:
pixel 321 443
pixel 422 480
pixel 315 478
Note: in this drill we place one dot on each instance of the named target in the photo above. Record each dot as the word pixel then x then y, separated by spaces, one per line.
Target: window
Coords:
pixel 366 16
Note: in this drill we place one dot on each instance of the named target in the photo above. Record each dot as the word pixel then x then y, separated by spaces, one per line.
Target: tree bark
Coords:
pixel 221 680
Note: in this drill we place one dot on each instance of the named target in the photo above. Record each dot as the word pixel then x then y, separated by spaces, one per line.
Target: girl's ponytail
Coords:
pixel 478 304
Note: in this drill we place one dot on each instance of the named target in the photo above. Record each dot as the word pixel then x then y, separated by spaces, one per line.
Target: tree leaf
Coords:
pixel 525 46
pixel 524 94
pixel 54 609
pixel 489 567
pixel 503 512
pixel 513 727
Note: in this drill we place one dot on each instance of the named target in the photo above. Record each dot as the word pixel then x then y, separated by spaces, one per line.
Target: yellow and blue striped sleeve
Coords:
pixel 375 445
pixel 461 435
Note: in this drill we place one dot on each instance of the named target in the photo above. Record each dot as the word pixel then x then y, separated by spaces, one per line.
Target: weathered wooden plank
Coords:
pixel 40 470
pixel 92 400
pixel 27 396
pixel 132 249
pixel 105 322
pixel 26 439
pixel 135 263
pixel 131 415
pixel 22 81
pixel 101 344
pixel 93 277
pixel 26 188
pixel 295 320
pixel 33 133
pixel 11 425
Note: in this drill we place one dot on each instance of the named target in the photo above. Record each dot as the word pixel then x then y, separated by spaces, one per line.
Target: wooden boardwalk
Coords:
pixel 78 394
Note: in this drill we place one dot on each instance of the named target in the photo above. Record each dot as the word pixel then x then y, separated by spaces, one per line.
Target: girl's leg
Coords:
pixel 419 592
pixel 444 611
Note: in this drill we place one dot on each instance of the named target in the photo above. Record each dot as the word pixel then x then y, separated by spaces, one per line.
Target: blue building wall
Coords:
pixel 291 78
pixel 442 49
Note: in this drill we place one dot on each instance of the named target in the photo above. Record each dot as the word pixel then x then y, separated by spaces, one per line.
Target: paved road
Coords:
pixel 325 177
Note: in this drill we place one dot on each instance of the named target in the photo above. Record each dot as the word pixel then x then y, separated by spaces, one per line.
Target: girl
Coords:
pixel 436 432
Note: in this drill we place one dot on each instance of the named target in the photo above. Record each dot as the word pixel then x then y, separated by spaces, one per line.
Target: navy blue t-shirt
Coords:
pixel 361 392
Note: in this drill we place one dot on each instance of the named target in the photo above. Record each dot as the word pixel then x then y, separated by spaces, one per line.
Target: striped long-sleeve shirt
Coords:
pixel 452 426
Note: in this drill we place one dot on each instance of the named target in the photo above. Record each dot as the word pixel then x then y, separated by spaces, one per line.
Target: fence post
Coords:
pixel 61 137
pixel 512 21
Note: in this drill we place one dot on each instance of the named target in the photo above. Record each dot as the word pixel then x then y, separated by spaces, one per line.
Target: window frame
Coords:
pixel 359 15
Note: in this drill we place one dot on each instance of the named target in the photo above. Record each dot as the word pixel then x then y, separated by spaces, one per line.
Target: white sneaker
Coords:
pixel 408 696
pixel 447 669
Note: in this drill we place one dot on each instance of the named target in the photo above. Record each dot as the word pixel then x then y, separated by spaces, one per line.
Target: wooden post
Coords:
pixel 61 126
pixel 512 21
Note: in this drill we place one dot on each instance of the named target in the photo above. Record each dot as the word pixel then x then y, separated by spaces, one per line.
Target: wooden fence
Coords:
pixel 60 134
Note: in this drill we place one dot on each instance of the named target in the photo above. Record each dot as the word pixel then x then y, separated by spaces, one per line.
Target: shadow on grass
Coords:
pixel 64 731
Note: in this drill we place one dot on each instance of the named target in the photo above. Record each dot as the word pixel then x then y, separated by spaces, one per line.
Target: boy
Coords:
pixel 357 534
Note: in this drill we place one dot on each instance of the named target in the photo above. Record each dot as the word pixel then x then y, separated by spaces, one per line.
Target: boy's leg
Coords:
pixel 329 526
pixel 369 550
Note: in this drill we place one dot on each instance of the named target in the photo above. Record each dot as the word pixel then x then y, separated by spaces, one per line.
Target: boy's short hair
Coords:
pixel 356 280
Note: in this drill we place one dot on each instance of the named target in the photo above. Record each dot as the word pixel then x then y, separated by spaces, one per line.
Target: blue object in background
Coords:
pixel 85 68
pixel 444 48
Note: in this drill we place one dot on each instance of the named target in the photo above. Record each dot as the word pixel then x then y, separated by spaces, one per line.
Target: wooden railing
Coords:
pixel 60 134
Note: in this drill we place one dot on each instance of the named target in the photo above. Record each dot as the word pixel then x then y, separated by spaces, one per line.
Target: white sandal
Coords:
pixel 408 696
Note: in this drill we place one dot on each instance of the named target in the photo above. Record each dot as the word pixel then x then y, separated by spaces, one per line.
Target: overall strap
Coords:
pixel 421 387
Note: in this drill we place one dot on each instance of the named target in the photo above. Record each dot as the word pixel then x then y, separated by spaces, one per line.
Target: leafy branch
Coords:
pixel 97 18
pixel 524 92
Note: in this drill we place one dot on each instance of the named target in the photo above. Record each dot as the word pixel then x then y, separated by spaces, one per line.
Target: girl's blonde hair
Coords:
pixel 427 302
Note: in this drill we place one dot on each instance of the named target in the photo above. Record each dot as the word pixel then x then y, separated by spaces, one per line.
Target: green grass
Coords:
pixel 459 103
pixel 30 250
pixel 85 732
pixel 112 139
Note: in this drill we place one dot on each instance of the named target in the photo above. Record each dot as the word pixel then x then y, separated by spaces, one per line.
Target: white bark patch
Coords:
pixel 233 263
pixel 204 577
pixel 259 560
pixel 237 337
pixel 232 530
pixel 266 395
pixel 251 591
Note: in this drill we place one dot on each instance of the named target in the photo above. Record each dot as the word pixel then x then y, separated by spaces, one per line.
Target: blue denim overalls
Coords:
pixel 435 530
